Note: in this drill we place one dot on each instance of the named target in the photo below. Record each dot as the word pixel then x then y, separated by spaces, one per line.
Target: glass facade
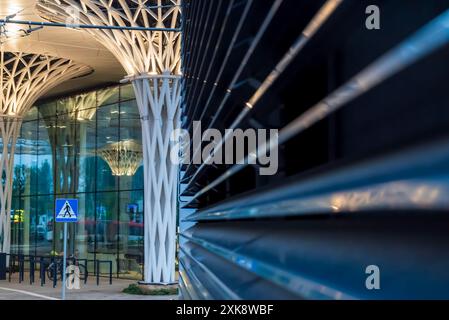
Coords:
pixel 72 148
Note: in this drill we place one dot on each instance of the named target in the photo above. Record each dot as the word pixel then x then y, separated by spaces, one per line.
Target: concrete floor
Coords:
pixel 24 291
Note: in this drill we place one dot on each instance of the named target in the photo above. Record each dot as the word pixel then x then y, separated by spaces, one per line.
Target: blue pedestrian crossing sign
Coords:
pixel 66 210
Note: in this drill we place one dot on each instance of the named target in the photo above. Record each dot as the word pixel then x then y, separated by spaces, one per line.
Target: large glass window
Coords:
pixel 130 132
pixel 70 148
pixel 86 145
pixel 107 138
pixel 45 159
pixel 84 243
pixel 131 234
pixel 45 223
pixel 107 226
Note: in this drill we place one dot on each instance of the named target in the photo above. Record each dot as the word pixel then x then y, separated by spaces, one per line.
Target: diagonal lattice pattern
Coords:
pixel 160 174
pixel 152 52
pixel 23 79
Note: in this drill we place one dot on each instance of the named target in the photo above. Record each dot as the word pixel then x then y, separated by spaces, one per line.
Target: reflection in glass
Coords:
pixel 45 224
pixel 108 96
pixel 130 129
pixel 86 154
pixel 131 235
pixel 58 155
pixel 45 158
pixel 107 133
pixel 83 232
pixel 107 226
pixel 25 161
pixel 127 93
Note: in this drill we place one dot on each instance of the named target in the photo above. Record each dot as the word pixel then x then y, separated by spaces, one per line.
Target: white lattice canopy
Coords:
pixel 148 52
pixel 123 157
pixel 24 77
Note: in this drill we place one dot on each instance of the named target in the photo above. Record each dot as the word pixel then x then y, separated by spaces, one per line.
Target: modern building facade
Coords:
pixel 355 91
pixel 362 179
pixel 142 41
pixel 62 152
pixel 152 62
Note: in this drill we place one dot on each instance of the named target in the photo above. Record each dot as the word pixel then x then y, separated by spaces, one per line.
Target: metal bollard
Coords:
pixel 110 272
pixel 98 264
pixel 42 270
pixel 14 261
pixel 31 269
pixel 98 272
pixel 55 273
pixel 62 270
pixel 3 259
pixel 11 266
pixel 21 267
pixel 86 266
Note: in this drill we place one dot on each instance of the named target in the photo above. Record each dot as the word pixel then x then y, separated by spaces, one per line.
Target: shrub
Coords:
pixel 138 290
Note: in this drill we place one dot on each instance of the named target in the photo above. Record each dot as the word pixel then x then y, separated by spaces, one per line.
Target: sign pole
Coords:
pixel 66 212
pixel 64 262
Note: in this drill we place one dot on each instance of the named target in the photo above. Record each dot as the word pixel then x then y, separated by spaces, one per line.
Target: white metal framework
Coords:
pixel 23 78
pixel 123 157
pixel 153 64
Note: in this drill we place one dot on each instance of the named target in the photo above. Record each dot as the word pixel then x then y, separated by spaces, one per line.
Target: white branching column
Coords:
pixel 23 79
pixel 152 61
pixel 9 130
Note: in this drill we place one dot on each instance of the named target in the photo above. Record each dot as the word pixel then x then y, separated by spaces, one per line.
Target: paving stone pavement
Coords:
pixel 24 291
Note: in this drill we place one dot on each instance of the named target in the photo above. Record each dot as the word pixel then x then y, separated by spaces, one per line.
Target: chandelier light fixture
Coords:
pixel 123 157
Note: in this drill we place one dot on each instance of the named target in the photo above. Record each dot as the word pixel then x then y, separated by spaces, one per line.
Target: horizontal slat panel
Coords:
pixel 411 179
pixel 326 257
pixel 222 279
pixel 342 199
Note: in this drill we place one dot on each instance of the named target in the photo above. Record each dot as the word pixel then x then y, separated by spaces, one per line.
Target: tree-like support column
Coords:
pixel 9 131
pixel 158 105
pixel 152 61
pixel 23 79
